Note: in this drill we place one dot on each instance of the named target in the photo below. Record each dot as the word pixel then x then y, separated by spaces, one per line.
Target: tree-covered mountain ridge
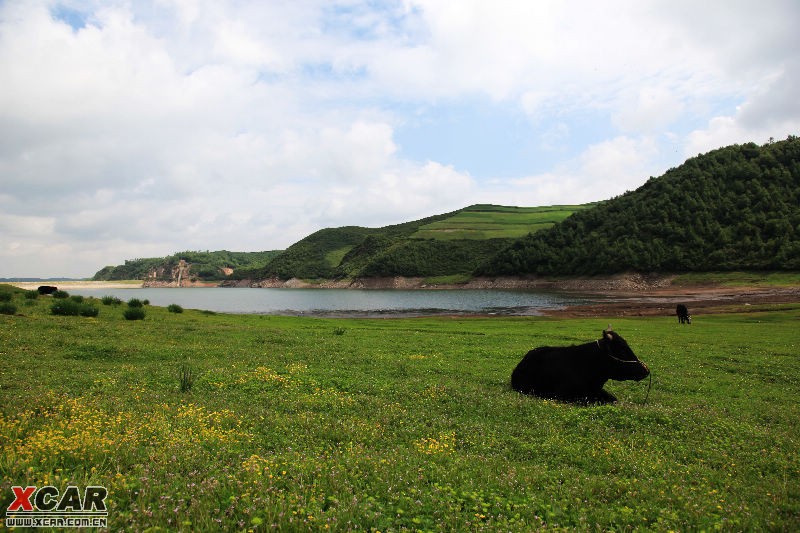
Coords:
pixel 734 208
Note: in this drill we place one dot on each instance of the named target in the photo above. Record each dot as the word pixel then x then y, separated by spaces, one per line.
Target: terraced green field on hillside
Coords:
pixel 496 222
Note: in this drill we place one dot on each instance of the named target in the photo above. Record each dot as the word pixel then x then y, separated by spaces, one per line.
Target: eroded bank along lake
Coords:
pixel 349 302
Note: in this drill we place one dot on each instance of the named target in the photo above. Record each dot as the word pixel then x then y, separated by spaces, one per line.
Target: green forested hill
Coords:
pixel 204 265
pixel 733 208
pixel 443 245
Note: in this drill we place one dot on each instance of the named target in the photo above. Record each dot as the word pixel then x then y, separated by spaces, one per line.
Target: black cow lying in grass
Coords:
pixel 683 314
pixel 578 373
pixel 47 289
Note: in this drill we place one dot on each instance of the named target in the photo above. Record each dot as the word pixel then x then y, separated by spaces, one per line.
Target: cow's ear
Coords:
pixel 608 334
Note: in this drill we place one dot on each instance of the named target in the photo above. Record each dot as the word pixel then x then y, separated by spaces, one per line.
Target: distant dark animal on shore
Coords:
pixel 47 289
pixel 683 314
pixel 578 373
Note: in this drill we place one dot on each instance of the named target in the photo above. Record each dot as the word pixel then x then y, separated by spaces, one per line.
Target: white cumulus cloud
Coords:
pixel 130 129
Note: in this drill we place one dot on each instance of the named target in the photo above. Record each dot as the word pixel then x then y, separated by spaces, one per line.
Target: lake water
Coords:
pixel 347 302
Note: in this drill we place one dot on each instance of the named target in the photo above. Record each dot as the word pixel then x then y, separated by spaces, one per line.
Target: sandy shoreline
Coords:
pixel 67 285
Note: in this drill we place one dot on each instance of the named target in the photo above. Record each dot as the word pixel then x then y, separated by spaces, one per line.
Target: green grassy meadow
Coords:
pixel 399 424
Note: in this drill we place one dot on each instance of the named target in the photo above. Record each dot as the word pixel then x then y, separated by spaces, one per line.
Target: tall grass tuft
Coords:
pixel 186 377
pixel 174 308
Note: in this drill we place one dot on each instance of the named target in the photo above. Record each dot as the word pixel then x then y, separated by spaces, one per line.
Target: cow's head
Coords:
pixel 622 362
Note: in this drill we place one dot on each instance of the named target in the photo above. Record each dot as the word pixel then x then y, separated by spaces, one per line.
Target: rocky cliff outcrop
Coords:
pixel 176 276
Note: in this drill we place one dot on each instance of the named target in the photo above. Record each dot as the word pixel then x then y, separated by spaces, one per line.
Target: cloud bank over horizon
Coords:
pixel 146 128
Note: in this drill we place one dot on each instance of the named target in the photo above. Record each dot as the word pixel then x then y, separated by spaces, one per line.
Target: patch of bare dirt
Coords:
pixel 699 300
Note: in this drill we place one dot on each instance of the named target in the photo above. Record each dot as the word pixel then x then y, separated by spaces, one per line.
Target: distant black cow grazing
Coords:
pixel 683 314
pixel 47 289
pixel 578 373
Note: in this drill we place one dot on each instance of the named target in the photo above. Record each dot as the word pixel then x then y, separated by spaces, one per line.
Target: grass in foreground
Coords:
pixel 310 424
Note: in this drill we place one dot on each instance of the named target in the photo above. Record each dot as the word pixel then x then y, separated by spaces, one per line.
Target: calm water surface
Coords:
pixel 347 302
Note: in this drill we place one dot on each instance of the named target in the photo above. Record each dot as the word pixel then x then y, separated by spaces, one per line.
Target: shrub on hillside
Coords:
pixel 7 308
pixel 5 296
pixel 89 310
pixel 31 295
pixel 133 313
pixel 69 307
pixel 135 302
pixel 174 308
pixel 59 294
pixel 110 300
pixel 65 307
pixel 76 298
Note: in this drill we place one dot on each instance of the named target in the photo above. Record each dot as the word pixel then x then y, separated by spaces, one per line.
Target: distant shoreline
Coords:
pixel 67 285
pixel 624 295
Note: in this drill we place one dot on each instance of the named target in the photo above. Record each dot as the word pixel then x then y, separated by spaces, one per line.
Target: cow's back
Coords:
pixel 565 372
pixel 538 370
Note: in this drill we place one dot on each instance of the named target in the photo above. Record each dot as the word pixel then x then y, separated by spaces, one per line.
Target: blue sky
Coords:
pixel 139 129
pixel 490 139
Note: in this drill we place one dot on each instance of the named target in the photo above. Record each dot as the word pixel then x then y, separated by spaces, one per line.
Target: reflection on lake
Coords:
pixel 347 302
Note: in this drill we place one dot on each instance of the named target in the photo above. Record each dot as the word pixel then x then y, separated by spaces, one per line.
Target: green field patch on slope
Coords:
pixel 334 257
pixel 495 222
